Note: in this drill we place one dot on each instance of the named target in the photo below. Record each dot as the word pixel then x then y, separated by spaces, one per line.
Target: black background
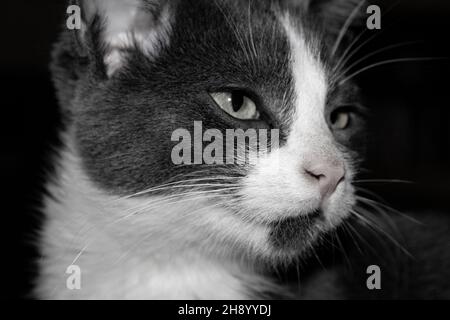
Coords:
pixel 410 132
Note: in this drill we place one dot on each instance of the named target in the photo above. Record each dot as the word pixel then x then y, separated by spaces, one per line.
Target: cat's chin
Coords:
pixel 293 237
pixel 293 232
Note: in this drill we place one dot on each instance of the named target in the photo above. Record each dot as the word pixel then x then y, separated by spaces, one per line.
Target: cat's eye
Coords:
pixel 236 104
pixel 340 119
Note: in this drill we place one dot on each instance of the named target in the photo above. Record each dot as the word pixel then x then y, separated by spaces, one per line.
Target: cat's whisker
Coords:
pixel 140 211
pixel 345 227
pixel 348 54
pixel 386 217
pixel 367 243
pixel 387 48
pixel 386 62
pixel 348 51
pixel 365 218
pixel 178 184
pixel 169 202
pixel 198 174
pixel 370 193
pixel 374 225
pixel 183 197
pixel 136 244
pixel 386 221
pixel 347 259
pixel 374 203
pixel 383 181
pixel 370 225
pixel 345 27
pixel 181 186
pixel 83 249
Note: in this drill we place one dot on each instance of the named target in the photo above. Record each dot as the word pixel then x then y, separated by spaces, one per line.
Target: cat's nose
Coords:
pixel 328 175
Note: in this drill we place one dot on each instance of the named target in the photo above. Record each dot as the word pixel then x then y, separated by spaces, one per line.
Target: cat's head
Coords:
pixel 138 70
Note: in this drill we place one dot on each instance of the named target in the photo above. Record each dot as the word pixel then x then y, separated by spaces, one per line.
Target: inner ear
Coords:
pixel 126 25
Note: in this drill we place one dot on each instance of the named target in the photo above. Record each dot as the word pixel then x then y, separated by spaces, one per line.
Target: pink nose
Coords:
pixel 329 175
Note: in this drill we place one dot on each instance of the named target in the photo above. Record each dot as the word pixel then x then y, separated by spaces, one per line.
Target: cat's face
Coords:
pixel 273 67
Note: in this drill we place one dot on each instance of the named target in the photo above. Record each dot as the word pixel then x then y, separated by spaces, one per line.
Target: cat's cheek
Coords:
pixel 340 204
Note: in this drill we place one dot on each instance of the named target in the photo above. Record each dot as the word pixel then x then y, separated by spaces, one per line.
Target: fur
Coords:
pixel 141 227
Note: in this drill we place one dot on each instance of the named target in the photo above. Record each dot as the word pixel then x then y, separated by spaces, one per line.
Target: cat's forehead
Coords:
pixel 250 45
pixel 250 24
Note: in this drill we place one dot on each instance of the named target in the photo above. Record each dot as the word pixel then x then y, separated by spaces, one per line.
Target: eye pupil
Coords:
pixel 237 104
pixel 237 100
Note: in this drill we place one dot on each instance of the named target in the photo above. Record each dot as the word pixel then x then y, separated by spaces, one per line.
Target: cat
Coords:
pixel 139 226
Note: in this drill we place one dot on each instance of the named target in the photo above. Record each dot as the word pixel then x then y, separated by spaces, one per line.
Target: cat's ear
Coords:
pixel 111 28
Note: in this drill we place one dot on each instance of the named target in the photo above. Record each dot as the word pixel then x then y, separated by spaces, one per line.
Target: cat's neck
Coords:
pixel 82 229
